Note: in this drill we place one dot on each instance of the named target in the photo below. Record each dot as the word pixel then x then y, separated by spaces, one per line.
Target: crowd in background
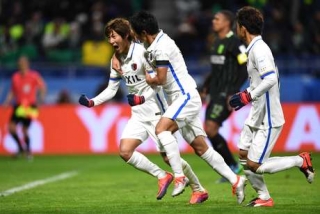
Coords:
pixel 291 26
pixel 70 32
pixel 67 30
pixel 59 31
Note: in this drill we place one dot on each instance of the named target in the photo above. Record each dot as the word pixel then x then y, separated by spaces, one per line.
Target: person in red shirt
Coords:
pixel 25 85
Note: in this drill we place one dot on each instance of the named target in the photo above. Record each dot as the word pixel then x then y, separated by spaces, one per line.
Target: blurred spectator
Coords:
pixel 55 35
pixel 31 27
pixel 299 38
pixel 34 28
pixel 64 97
pixel 314 27
pixel 74 35
pixel 187 7
pixel 11 39
pixel 186 38
pixel 96 51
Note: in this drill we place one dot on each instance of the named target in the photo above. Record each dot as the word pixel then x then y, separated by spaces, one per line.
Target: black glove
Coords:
pixel 240 99
pixel 85 101
pixel 134 100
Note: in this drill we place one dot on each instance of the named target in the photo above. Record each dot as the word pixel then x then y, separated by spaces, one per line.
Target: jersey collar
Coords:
pixel 158 37
pixel 229 34
pixel 130 52
pixel 257 38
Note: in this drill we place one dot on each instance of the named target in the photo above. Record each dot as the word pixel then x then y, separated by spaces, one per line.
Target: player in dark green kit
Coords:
pixel 228 74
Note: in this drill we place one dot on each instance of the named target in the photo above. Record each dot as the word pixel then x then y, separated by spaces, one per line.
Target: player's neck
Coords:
pixel 23 72
pixel 151 38
pixel 223 33
pixel 250 37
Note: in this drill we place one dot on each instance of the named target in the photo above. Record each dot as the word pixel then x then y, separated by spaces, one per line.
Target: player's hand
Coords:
pixel 134 100
pixel 148 78
pixel 85 101
pixel 240 99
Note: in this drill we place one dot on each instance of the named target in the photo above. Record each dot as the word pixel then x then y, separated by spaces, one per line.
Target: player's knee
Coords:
pixel 199 145
pixel 125 154
pixel 160 128
pixel 211 132
pixel 252 166
pixel 12 129
pixel 243 155
pixel 166 160
pixel 211 128
pixel 158 131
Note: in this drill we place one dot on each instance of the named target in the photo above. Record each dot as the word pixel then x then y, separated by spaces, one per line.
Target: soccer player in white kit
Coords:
pixel 265 121
pixel 144 117
pixel 184 100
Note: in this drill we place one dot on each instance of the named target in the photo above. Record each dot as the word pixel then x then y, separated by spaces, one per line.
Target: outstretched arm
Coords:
pixel 109 92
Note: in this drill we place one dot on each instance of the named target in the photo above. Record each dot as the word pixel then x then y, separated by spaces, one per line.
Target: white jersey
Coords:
pixel 266 111
pixel 165 52
pixel 133 67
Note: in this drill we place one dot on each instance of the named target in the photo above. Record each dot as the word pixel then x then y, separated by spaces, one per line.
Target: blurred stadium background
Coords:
pixel 64 40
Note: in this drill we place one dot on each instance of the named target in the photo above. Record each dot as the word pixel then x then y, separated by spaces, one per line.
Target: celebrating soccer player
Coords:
pixel 145 114
pixel 183 98
pixel 265 121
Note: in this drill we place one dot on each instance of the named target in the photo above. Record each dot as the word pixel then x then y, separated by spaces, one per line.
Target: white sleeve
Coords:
pixel 267 82
pixel 110 91
pixel 156 89
pixel 267 71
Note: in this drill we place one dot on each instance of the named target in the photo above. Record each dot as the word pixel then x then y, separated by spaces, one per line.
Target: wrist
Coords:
pixel 91 103
pixel 245 97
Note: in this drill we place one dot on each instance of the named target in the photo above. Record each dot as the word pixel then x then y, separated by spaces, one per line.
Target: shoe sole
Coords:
pixel 202 199
pixel 253 204
pixel 164 191
pixel 177 194
pixel 263 205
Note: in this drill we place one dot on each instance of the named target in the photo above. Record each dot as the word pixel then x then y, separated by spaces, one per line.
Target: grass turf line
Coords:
pixel 106 184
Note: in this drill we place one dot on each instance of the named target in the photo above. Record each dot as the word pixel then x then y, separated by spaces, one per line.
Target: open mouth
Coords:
pixel 116 47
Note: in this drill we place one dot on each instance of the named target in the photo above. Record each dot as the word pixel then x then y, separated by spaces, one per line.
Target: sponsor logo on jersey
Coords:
pixel 217 59
pixel 220 49
pixel 134 66
pixel 132 79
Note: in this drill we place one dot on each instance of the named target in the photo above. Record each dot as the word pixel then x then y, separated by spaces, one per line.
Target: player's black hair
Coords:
pixel 228 15
pixel 144 21
pixel 251 18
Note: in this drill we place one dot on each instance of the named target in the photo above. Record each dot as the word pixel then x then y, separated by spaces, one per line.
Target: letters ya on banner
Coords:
pixel 79 130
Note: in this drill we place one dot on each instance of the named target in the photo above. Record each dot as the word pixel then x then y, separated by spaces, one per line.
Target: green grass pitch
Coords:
pixel 106 184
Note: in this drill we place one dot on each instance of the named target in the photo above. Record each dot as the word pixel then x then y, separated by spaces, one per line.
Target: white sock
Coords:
pixel 142 163
pixel 171 148
pixel 193 179
pixel 215 160
pixel 256 181
pixel 277 164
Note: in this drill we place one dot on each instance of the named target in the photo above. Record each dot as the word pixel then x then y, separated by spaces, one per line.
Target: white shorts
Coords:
pixel 184 108
pixel 192 129
pixel 258 142
pixel 141 130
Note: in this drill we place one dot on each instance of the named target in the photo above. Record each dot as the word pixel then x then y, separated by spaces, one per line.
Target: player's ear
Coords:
pixel 143 33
